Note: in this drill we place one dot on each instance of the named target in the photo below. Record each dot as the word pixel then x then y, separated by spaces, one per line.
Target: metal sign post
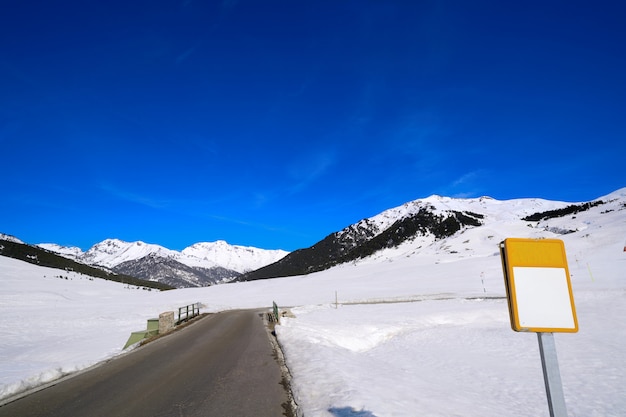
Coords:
pixel 551 375
pixel 540 299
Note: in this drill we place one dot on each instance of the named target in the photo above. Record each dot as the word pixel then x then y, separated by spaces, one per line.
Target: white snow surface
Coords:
pixel 418 330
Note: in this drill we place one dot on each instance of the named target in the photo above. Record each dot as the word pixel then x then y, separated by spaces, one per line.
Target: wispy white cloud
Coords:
pixel 186 54
pixel 467 185
pixel 265 227
pixel 465 179
pixel 260 199
pixel 132 197
pixel 309 168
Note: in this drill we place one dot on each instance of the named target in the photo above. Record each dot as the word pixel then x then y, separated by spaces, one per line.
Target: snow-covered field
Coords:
pixel 420 330
pixel 451 358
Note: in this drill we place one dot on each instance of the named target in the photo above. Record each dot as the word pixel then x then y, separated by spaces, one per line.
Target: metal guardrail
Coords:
pixel 166 319
pixel 274 316
pixel 188 312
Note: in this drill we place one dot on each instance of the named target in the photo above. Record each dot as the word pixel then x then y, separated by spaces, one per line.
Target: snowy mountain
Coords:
pixel 425 226
pixel 16 249
pixel 9 238
pixel 433 226
pixel 201 264
pixel 237 258
pixel 172 272
pixel 426 315
pixel 112 252
pixel 71 252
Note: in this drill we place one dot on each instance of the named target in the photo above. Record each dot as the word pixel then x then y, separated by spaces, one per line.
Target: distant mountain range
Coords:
pixel 426 227
pixel 12 247
pixel 202 264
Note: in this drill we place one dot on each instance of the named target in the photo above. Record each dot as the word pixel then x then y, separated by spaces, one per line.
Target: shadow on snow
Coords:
pixel 349 412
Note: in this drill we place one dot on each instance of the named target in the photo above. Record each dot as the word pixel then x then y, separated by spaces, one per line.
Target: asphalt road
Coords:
pixel 220 366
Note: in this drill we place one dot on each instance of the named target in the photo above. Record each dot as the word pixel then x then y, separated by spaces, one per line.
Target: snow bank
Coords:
pixel 450 357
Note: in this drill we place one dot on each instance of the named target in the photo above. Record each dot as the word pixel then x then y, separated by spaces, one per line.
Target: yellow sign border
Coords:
pixel 538 253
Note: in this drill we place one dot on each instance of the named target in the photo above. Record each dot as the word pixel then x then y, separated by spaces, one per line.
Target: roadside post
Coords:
pixel 275 310
pixel 540 299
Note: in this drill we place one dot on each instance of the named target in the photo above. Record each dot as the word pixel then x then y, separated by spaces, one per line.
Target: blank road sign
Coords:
pixel 538 285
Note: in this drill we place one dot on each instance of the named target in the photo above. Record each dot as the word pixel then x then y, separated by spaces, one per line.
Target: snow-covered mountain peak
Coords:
pixel 426 221
pixel 615 195
pixel 112 252
pixel 485 206
pixel 71 252
pixel 202 248
pixel 524 217
pixel 237 258
pixel 9 238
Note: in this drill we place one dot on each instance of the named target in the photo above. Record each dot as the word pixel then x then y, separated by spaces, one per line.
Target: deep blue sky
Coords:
pixel 274 123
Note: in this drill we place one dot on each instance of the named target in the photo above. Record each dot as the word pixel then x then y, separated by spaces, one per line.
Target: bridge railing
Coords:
pixel 274 316
pixel 188 312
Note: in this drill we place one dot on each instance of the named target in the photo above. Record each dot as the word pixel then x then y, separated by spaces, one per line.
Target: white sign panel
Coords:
pixel 543 298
